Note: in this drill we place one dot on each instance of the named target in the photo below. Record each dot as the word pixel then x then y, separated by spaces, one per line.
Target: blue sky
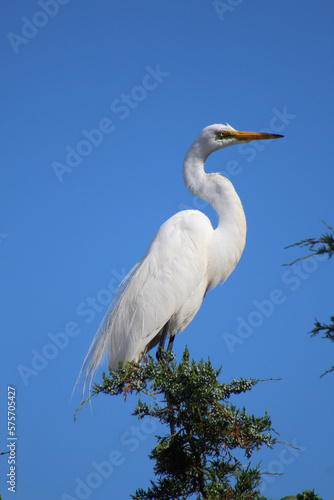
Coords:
pixel 100 102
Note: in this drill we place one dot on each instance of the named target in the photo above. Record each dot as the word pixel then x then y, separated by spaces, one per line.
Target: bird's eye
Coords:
pixel 223 133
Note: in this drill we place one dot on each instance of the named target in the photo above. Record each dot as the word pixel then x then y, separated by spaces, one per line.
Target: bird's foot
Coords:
pixel 161 356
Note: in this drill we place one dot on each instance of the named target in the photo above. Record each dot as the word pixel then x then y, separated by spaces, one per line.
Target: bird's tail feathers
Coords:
pixel 98 348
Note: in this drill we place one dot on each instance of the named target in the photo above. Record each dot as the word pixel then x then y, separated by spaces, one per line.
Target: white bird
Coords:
pixel 187 257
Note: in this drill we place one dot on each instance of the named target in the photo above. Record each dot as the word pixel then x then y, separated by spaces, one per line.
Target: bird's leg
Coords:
pixel 164 334
pixel 161 357
pixel 170 343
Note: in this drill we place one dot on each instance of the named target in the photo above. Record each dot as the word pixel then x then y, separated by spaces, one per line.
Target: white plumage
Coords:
pixel 186 257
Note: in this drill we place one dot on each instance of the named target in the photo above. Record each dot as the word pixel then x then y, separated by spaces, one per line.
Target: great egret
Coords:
pixel 187 257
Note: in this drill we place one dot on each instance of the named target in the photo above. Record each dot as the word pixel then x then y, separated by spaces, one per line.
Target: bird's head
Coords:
pixel 219 136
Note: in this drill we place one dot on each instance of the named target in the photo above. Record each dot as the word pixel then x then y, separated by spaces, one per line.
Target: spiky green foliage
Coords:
pixel 206 454
pixel 324 244
pixel 328 333
pixel 308 495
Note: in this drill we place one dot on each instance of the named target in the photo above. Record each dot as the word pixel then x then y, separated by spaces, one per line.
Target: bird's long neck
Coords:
pixel 218 191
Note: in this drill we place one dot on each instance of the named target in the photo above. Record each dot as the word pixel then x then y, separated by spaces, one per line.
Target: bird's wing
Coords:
pixel 173 268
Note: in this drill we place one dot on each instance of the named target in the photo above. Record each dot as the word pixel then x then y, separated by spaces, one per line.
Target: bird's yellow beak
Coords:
pixel 253 136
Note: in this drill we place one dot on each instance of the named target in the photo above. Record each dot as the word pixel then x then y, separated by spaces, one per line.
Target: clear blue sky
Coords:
pixel 100 102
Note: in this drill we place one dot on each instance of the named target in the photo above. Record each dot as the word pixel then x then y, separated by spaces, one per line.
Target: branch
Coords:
pixel 317 246
pixel 328 334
